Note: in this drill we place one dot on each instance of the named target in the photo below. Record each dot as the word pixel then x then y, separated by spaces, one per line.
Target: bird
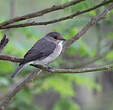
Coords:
pixel 43 52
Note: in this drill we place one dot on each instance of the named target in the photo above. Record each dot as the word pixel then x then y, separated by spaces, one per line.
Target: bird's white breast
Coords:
pixel 53 56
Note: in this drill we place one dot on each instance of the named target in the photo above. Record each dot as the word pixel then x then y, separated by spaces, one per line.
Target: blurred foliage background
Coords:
pixel 89 91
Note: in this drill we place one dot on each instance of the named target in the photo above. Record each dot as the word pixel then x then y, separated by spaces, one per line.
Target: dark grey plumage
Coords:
pixel 42 49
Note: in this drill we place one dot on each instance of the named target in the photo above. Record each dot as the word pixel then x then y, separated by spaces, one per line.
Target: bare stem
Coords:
pixel 86 27
pixel 40 13
pixel 75 71
pixel 55 20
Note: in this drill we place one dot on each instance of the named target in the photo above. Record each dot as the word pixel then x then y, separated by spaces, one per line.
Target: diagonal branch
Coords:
pixel 3 42
pixel 40 13
pixel 31 77
pixel 85 28
pixel 55 20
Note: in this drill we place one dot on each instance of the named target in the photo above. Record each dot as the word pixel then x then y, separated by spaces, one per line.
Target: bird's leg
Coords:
pixel 49 67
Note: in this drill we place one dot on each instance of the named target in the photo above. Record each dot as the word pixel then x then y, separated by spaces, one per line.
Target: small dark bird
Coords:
pixel 43 52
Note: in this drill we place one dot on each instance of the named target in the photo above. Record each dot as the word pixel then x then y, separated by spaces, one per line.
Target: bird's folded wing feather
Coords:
pixel 40 50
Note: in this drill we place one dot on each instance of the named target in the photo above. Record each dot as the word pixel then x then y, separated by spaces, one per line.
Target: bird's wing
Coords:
pixel 40 50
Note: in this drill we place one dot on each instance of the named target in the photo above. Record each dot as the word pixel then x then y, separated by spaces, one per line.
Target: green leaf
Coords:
pixel 93 13
pixel 110 35
pixel 59 85
pixel 14 48
pixel 110 55
pixel 4 65
pixel 31 33
pixel 66 104
pixel 83 49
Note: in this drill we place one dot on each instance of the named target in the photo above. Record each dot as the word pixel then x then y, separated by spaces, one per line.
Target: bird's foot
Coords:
pixel 45 66
pixel 50 68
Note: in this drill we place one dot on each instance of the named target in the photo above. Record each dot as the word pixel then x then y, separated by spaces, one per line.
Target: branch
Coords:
pixel 85 28
pixel 33 76
pixel 10 58
pixel 3 42
pixel 75 71
pixel 55 20
pixel 40 13
pixel 18 60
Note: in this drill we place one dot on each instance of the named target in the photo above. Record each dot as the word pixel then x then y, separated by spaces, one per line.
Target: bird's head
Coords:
pixel 55 36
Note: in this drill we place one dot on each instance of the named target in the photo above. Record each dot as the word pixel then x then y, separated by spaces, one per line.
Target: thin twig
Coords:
pixel 33 23
pixel 40 13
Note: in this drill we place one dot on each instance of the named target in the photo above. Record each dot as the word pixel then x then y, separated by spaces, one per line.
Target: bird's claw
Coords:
pixel 49 68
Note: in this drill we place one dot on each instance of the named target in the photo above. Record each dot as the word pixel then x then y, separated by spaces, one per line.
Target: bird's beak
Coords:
pixel 63 39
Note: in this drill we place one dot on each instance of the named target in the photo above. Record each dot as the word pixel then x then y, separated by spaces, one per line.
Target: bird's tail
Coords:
pixel 17 70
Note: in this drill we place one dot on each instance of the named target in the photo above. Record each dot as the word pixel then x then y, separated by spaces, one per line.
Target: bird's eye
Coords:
pixel 55 37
